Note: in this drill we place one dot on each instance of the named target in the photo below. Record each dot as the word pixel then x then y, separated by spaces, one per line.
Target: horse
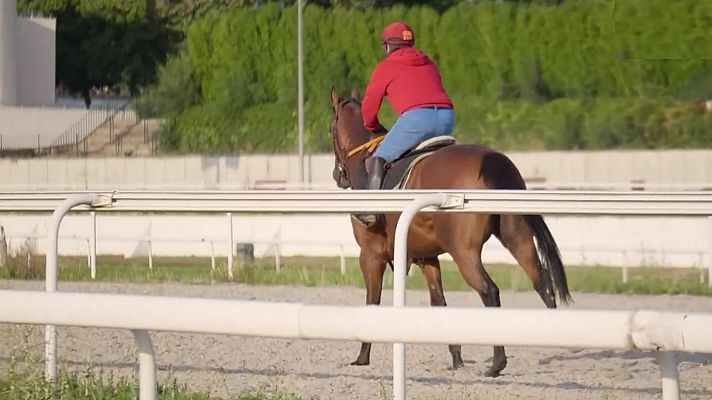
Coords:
pixel 458 166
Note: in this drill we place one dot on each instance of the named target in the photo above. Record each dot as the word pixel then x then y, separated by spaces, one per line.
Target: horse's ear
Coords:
pixel 334 98
pixel 355 94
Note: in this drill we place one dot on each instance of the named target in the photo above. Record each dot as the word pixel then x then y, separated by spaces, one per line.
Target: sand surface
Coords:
pixel 226 365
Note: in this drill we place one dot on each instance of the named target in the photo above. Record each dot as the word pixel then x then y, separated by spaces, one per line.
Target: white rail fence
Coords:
pixel 662 332
pixel 275 246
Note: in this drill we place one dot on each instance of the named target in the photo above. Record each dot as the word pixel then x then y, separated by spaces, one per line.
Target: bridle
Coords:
pixel 341 173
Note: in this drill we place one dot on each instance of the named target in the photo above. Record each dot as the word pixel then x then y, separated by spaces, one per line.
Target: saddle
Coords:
pixel 398 171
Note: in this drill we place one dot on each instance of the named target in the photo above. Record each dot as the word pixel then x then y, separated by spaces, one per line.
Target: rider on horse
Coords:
pixel 412 84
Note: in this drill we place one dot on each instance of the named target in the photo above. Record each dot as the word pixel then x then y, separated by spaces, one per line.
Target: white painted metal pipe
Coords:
pixel 277 259
pixel 150 256
pixel 147 365
pixel 212 256
pixel 553 202
pixel 593 329
pixel 231 242
pixel 399 279
pixel 52 266
pixel 92 245
pixel 669 375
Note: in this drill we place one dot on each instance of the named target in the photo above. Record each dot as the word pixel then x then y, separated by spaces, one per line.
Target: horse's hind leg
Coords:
pixel 517 237
pixel 431 271
pixel 470 264
pixel 372 266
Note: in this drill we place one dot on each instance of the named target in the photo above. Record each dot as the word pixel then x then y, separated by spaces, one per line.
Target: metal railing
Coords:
pixel 664 333
pixel 75 139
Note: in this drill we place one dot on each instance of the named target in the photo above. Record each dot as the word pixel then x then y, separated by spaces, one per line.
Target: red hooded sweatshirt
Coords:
pixel 408 79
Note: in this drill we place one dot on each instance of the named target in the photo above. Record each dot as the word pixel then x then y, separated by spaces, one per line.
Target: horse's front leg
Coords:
pixel 373 266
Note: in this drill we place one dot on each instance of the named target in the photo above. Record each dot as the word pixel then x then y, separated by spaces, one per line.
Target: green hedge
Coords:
pixel 585 74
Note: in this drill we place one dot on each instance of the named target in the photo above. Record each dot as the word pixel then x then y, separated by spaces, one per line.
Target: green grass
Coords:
pixel 324 271
pixel 31 385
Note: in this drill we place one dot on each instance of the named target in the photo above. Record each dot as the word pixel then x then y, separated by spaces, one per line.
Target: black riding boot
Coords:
pixel 376 170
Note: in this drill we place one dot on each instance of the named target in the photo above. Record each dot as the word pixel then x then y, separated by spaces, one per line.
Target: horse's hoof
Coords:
pixel 492 372
pixel 457 365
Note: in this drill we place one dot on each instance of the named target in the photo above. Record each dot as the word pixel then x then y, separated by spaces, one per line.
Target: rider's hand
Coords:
pixel 381 130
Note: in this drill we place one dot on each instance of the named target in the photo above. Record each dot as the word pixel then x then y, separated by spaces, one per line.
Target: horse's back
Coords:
pixel 465 166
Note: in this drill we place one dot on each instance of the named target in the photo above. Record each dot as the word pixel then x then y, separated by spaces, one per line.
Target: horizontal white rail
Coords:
pixel 593 329
pixel 490 201
pixel 643 330
pixel 286 185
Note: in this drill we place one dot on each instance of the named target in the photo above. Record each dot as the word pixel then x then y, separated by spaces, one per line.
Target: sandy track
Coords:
pixel 232 365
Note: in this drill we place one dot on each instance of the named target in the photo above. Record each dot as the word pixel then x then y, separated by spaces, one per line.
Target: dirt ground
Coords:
pixel 226 365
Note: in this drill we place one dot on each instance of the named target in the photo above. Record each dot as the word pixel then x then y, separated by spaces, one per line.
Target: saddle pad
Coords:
pixel 399 172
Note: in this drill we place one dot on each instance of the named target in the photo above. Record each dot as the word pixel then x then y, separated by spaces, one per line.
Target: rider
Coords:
pixel 412 84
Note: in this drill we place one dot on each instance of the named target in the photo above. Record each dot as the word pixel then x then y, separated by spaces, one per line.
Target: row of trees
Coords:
pixel 584 74
pixel 523 73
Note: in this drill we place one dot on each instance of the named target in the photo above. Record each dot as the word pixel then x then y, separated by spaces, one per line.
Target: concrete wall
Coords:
pixel 649 241
pixel 664 170
pixel 8 58
pixel 36 60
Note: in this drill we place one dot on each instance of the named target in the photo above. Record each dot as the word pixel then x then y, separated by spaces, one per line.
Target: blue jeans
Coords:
pixel 414 127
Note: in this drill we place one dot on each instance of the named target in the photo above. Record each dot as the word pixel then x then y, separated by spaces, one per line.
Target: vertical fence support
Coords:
pixel 212 255
pixel 92 246
pixel 146 365
pixel 399 278
pixel 277 257
pixel 669 374
pixel 52 268
pixel 150 256
pixel 231 242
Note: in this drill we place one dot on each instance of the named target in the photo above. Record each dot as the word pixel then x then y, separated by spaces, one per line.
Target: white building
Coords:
pixel 27 58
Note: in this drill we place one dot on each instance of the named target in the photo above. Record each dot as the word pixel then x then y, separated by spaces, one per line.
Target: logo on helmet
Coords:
pixel 407 35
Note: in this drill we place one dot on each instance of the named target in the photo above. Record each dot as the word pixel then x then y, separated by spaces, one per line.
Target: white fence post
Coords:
pixel 150 256
pixel 212 255
pixel 146 365
pixel 669 374
pixel 399 279
pixel 277 257
pixel 232 246
pixel 92 246
pixel 52 268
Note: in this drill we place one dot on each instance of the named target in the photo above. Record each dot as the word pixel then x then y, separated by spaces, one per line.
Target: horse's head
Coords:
pixel 348 133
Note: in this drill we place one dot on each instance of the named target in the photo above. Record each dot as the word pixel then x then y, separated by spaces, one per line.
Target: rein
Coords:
pixel 341 157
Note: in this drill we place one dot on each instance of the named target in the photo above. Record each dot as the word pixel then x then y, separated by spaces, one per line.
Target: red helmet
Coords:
pixel 398 33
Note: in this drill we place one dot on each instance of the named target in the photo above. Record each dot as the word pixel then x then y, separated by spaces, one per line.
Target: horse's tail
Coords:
pixel 499 172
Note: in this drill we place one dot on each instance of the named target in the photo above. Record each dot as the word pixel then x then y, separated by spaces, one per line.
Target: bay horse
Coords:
pixel 462 235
